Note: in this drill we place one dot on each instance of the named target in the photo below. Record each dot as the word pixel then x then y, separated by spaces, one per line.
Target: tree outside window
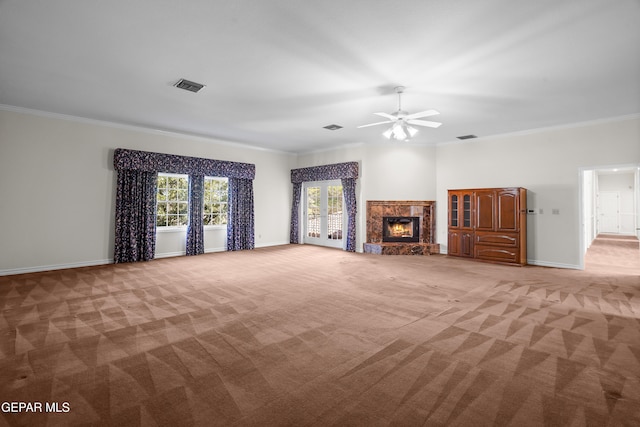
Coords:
pixel 216 194
pixel 172 206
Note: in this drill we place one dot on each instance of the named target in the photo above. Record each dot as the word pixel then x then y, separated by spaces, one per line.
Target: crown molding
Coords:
pixel 136 128
pixel 574 125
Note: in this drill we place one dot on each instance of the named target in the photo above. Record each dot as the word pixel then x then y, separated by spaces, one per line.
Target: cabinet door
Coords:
pixel 485 210
pixel 460 209
pixel 466 212
pixel 453 244
pixel 508 210
pixel 466 244
pixel 454 209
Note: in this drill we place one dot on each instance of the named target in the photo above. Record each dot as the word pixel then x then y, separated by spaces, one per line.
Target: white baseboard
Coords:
pixel 552 264
pixel 216 249
pixel 40 268
pixel 168 255
pixel 537 263
pixel 264 245
pixel 219 249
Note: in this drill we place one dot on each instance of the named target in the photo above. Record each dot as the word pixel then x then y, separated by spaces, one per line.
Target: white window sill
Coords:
pixel 182 229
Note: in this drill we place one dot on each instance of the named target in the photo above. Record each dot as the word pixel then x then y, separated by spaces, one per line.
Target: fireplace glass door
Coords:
pixel 323 213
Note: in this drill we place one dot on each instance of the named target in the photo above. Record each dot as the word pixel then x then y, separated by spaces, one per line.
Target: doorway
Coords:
pixel 323 213
pixel 609 203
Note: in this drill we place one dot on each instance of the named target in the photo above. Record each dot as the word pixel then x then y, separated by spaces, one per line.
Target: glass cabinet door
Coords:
pixel 466 210
pixel 454 211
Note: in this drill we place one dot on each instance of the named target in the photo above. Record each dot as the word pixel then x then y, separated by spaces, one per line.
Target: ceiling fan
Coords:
pixel 401 129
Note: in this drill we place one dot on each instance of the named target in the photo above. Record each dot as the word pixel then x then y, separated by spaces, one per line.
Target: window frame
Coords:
pixel 216 226
pixel 172 228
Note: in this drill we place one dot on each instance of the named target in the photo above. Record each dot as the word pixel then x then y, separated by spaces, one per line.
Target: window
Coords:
pixel 313 211
pixel 172 206
pixel 334 212
pixel 216 194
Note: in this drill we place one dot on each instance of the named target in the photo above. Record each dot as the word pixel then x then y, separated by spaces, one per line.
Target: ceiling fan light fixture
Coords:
pixel 399 132
pixel 400 121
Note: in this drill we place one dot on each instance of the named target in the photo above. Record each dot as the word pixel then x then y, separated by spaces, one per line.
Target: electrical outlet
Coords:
pixel 555 211
pixel 541 211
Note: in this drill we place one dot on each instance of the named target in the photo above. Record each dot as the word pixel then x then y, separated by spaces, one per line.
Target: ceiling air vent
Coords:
pixel 333 127
pixel 466 137
pixel 188 85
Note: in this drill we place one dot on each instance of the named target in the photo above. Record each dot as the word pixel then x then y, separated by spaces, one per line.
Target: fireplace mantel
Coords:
pixel 424 209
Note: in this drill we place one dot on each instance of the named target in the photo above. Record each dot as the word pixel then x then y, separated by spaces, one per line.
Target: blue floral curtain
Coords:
pixel 349 191
pixel 240 221
pixel 195 230
pixel 348 173
pixel 295 213
pixel 135 234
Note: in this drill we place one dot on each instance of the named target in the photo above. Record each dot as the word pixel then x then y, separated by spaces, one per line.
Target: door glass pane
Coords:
pixel 313 211
pixel 466 210
pixel 454 211
pixel 334 212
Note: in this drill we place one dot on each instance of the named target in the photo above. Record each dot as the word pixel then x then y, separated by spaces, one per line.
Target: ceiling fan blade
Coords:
pixel 421 114
pixel 374 124
pixel 387 116
pixel 424 123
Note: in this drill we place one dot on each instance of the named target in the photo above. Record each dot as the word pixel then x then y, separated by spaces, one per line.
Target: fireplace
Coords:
pixel 411 238
pixel 400 229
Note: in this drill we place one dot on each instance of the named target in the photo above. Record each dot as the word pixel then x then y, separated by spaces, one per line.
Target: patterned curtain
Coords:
pixel 136 201
pixel 171 163
pixel 295 213
pixel 349 191
pixel 135 234
pixel 348 173
pixel 195 230
pixel 240 220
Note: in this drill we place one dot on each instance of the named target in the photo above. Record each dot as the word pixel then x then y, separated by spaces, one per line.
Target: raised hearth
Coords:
pixel 404 227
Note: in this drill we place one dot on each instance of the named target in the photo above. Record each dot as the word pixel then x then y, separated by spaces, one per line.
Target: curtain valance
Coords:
pixel 325 172
pixel 124 159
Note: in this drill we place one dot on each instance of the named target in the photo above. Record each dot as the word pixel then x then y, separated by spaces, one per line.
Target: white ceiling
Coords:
pixel 277 71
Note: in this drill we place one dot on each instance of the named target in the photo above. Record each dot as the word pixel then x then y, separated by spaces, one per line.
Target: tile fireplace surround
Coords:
pixel 424 209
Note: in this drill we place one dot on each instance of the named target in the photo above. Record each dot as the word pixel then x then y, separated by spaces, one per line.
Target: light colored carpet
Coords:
pixel 301 335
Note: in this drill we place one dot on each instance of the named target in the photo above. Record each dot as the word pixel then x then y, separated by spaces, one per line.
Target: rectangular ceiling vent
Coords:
pixel 188 85
pixel 466 137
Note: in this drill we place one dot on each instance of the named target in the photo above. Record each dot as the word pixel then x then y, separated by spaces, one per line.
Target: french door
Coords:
pixel 323 213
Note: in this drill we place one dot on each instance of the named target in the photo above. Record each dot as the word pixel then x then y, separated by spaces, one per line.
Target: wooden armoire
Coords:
pixel 488 224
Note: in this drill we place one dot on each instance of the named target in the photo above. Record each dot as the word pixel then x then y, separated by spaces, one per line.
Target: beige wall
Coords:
pixel 548 164
pixel 57 183
pixel 388 171
pixel 57 187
